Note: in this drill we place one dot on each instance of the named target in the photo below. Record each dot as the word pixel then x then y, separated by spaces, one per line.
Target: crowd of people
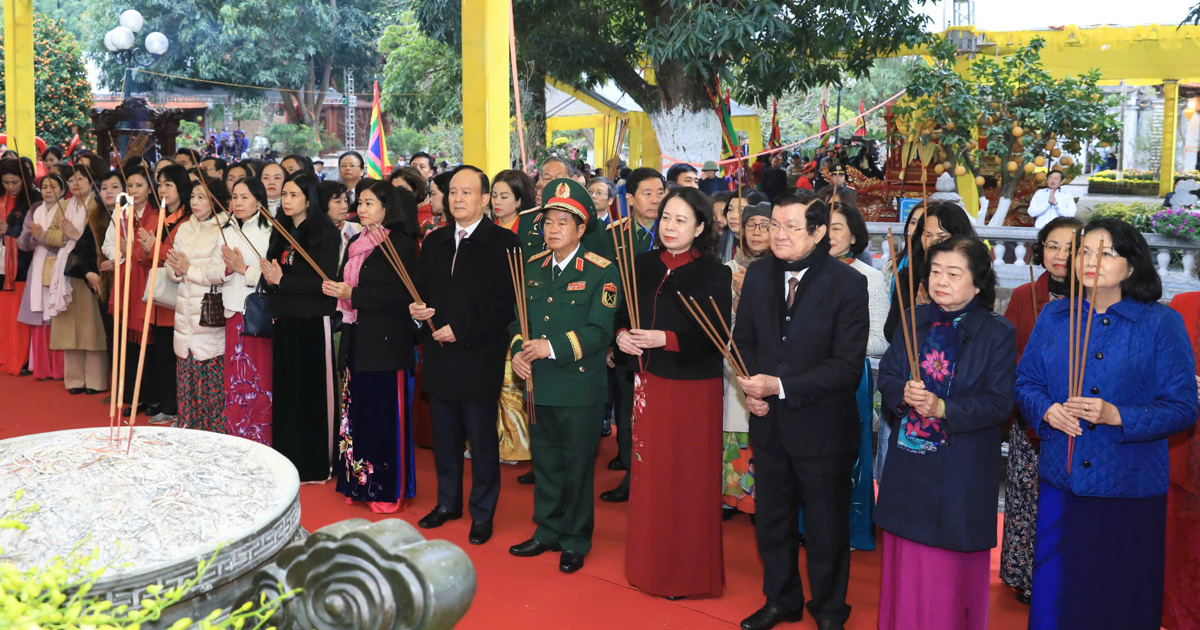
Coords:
pixel 506 318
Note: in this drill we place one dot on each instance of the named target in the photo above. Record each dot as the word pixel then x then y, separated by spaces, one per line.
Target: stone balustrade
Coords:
pixel 1011 247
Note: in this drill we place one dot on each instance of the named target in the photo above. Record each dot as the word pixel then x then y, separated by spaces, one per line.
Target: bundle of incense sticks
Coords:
pixel 728 349
pixel 622 236
pixel 1077 351
pixel 385 245
pixel 137 383
pixel 516 269
pixel 292 241
pixel 909 341
pixel 120 299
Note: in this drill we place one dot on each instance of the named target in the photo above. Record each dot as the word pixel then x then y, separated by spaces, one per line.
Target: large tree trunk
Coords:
pixel 684 120
pixel 687 135
pixel 1008 189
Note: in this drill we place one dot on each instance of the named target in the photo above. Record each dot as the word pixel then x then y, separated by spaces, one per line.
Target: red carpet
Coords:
pixel 531 592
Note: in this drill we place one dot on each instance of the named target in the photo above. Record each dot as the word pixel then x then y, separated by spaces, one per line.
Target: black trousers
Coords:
pixel 453 424
pixel 158 374
pixel 822 486
pixel 623 419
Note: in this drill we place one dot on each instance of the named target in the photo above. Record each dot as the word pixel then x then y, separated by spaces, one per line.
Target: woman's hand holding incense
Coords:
pixel 1060 419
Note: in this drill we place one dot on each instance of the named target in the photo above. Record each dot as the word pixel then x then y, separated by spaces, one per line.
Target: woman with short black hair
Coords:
pixel 937 497
pixel 374 462
pixel 1052 250
pixel 1102 503
pixel 272 177
pixel 674 544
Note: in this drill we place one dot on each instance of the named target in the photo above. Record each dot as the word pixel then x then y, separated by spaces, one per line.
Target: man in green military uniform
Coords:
pixel 529 230
pixel 644 189
pixel 571 300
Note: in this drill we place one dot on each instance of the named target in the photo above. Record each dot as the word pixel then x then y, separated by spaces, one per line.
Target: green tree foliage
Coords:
pixel 1004 112
pixel 300 47
pixel 63 95
pixel 422 76
pixel 1193 15
pixel 760 47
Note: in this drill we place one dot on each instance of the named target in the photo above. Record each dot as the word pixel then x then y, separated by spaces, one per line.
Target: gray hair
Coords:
pixel 608 184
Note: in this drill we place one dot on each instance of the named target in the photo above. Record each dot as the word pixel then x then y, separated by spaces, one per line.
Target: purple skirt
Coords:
pixel 925 587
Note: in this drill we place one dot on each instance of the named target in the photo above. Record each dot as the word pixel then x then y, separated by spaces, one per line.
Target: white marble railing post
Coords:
pixel 1018 240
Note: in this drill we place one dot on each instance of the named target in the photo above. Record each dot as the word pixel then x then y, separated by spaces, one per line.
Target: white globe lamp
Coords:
pixel 156 43
pixel 122 38
pixel 132 20
pixel 108 44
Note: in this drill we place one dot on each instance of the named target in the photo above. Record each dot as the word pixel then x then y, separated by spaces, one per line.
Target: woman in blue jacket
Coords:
pixel 1102 506
pixel 937 497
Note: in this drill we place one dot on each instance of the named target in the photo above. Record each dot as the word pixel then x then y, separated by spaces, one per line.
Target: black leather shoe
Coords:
pixel 438 517
pixel 606 428
pixel 526 479
pixel 727 514
pixel 75 391
pixel 531 548
pixel 770 616
pixel 25 372
pixel 616 495
pixel 1024 596
pixel 570 561
pixel 615 463
pixel 91 392
pixel 481 532
pixel 829 624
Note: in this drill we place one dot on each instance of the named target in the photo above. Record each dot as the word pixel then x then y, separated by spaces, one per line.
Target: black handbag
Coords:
pixel 212 309
pixel 256 321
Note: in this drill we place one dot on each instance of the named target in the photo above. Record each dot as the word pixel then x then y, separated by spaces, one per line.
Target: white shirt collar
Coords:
pixel 469 229
pixel 566 261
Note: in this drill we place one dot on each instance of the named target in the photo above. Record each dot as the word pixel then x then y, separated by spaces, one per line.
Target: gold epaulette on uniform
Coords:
pixel 597 259
pixel 529 210
pixel 539 255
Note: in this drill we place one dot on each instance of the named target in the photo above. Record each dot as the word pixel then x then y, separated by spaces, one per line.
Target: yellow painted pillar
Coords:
pixel 1166 165
pixel 486 85
pixel 635 141
pixel 19 105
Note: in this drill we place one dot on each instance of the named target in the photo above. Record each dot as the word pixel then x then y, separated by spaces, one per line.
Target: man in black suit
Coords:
pixel 464 278
pixel 802 328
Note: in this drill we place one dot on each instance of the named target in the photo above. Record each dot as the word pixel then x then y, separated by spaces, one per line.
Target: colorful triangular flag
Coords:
pixel 378 165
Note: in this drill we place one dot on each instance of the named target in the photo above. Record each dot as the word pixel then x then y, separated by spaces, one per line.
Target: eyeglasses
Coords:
pixel 1054 248
pixel 758 226
pixel 788 229
pixel 598 194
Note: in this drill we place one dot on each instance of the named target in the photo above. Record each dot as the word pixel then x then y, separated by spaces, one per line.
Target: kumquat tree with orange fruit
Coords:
pixel 64 96
pixel 1003 116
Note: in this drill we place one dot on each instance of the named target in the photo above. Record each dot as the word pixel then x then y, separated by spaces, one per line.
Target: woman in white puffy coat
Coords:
pixel 195 263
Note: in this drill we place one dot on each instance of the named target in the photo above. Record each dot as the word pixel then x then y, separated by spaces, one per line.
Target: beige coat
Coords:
pixel 200 241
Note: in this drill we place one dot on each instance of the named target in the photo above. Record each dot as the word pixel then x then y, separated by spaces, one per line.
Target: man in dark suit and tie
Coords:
pixel 802 327
pixel 463 276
